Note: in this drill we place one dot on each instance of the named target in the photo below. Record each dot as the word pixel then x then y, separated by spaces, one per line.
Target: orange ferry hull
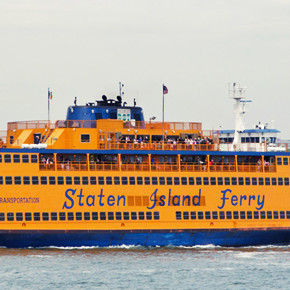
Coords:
pixel 92 238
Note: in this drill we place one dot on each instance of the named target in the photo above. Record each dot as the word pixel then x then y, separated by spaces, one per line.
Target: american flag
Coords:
pixel 49 95
pixel 165 90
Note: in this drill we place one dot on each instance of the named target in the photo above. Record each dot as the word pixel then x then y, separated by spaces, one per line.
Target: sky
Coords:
pixel 84 48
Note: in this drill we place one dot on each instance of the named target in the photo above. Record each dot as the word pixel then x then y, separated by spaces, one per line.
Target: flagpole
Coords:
pixel 163 117
pixel 48 113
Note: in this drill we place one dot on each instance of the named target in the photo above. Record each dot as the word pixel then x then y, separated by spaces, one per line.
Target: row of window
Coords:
pixel 17 158
pixel 79 216
pixel 207 215
pixel 124 180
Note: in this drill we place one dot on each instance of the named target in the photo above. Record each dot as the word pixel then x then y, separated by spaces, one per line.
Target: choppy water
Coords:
pixel 146 268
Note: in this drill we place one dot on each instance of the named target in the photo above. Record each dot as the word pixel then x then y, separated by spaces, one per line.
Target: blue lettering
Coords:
pixel 119 198
pixel 251 197
pixel 260 203
pixel 80 198
pixel 178 200
pixel 73 191
pixel 101 196
pixel 153 198
pixel 224 198
pixel 111 200
pixel 92 197
pixel 186 197
pixel 162 201
pixel 243 197
pixel 234 200
pixel 196 197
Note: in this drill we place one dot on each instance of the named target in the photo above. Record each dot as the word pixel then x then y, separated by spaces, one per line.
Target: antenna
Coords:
pixel 120 89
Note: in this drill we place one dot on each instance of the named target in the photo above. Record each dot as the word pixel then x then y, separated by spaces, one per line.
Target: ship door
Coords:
pixel 37 137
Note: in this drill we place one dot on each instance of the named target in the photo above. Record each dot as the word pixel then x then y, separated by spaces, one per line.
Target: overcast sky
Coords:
pixel 84 48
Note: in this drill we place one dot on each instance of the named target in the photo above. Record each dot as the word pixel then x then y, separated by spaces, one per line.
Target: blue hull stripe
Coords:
pixel 78 238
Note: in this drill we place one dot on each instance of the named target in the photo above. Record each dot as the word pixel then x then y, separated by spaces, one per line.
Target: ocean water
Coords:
pixel 206 267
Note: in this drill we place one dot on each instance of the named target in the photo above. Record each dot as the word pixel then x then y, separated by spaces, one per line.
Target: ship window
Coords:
pixel 101 180
pixel 10 216
pixel 68 180
pixel 70 216
pixel 93 180
pixel 248 180
pixel 212 181
pixel 148 215
pixel 200 215
pixel 205 181
pixel 176 181
pixel 280 181
pixel 269 215
pixel 102 216
pixel 124 180
pixel 34 158
pixel 262 215
pixel 110 216
pixel 95 216
pixel 60 180
pixel 279 161
pixel 7 158
pixel 51 180
pixel 241 180
pixel 140 180
pixel 35 180
pixel 256 215
pixel 227 181
pixel 109 180
pixel 215 215
pixel 282 214
pixel 2 216
pixel 254 180
pixel 8 180
pixel 53 216
pixel 285 161
pixel 132 180
pixel 133 215
pixel 77 180
pixel 154 180
pixel 267 181
pixel 85 138
pixel 147 180
pixel 261 181
pixel 0 158
pixel 116 180
pixel 118 215
pixel 275 215
pixel 249 215
pixel 62 216
pixel 126 215
pixel 229 215
pixel 85 180
pixel 26 180
pixel 207 215
pixel 19 216
pixel 169 180
pixel 28 216
pixel 162 180
pixel 191 180
pixel 242 215
pixel 220 181
pixel 87 216
pixel 17 180
pixel 45 216
pixel 178 215
pixel 236 215
pixel 286 180
pixel 193 215
pixel 43 180
pixel 156 215
pixel 274 181
pixel 141 215
pixel 234 181
pixel 1 180
pixel 79 216
pixel 184 180
pixel 36 216
pixel 25 158
pixel 198 180
pixel 288 214
pixel 185 215
pixel 222 215
pixel 16 158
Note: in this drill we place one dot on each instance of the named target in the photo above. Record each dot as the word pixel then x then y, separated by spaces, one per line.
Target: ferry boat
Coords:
pixel 106 177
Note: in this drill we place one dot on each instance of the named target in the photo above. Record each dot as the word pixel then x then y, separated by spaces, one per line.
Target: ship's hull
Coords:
pixel 85 238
